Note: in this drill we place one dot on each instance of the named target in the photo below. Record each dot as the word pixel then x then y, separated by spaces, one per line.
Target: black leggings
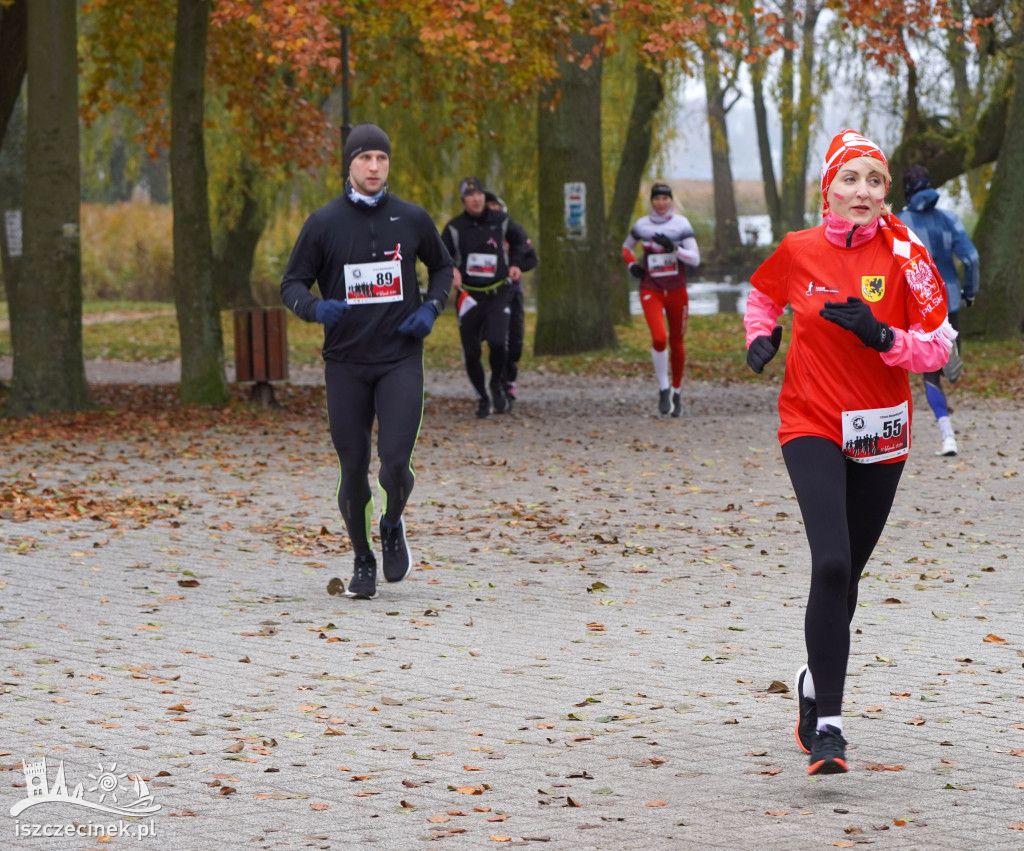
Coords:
pixel 355 394
pixel 488 320
pixel 516 334
pixel 845 506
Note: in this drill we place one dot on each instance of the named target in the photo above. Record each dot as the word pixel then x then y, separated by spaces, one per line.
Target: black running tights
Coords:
pixel 845 506
pixel 488 320
pixel 393 392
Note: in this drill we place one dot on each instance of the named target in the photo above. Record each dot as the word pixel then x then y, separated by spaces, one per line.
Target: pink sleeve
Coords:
pixel 761 317
pixel 921 351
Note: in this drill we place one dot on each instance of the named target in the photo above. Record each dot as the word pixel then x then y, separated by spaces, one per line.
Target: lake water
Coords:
pixel 707 298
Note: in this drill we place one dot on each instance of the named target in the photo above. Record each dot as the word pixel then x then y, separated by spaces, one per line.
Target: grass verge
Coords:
pixel 148 331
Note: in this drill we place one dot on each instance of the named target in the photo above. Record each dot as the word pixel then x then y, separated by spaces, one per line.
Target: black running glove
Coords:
pixel 854 315
pixel 664 242
pixel 636 270
pixel 763 349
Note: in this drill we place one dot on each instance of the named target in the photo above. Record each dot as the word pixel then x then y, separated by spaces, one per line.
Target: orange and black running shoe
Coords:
pixel 828 752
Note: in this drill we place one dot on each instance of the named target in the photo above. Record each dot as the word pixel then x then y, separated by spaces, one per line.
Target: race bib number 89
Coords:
pixel 876 434
pixel 373 283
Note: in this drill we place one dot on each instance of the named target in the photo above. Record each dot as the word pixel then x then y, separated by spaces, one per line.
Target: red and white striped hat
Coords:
pixel 846 145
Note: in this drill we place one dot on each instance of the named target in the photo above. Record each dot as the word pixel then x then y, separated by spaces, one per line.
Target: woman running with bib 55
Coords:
pixel 868 305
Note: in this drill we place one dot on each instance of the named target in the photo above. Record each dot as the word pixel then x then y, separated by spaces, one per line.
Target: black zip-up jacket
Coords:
pixel 345 231
pixel 487 234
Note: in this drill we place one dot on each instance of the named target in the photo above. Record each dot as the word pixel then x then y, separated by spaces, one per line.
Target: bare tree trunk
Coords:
pixel 241 221
pixel 727 229
pixel 797 103
pixel 791 194
pixel 12 195
pixel 203 379
pixel 806 110
pixel 948 155
pixel 574 312
pixel 14 50
pixel 636 153
pixel 46 309
pixel 764 146
pixel 999 310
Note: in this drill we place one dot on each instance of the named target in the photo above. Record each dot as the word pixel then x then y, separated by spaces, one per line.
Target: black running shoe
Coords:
pixel 828 752
pixel 397 558
pixel 483 408
pixel 677 404
pixel 363 585
pixel 664 403
pixel 807 720
pixel 498 396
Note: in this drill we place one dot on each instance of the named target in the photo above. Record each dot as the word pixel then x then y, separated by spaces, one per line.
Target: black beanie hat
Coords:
pixel 469 185
pixel 366 137
pixel 660 189
pixel 915 178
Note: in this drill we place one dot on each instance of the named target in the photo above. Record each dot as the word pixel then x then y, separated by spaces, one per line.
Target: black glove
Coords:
pixel 636 270
pixel 763 349
pixel 968 300
pixel 854 315
pixel 664 242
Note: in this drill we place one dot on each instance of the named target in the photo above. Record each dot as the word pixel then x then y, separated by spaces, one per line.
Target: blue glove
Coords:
pixel 330 311
pixel 763 349
pixel 855 316
pixel 421 322
pixel 636 270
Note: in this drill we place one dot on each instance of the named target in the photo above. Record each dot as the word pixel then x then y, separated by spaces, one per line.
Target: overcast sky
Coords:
pixel 689 153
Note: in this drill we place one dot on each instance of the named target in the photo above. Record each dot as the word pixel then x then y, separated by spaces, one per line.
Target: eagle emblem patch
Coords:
pixel 872 287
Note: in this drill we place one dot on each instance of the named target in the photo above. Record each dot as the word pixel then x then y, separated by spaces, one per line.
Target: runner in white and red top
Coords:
pixel 669 247
pixel 868 305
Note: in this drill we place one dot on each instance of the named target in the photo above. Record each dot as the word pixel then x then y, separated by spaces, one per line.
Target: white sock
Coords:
pixel 830 721
pixel 660 361
pixel 945 427
pixel 808 688
pixel 677 390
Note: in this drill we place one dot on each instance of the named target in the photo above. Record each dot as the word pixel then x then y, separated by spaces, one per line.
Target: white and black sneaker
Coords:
pixel 677 403
pixel 664 400
pixel 363 585
pixel 397 557
pixel 807 719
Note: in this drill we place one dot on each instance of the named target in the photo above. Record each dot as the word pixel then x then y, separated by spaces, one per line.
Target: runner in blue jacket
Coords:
pixel 945 238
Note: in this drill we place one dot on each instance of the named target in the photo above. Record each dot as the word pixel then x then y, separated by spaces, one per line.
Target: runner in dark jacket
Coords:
pixel 485 270
pixel 361 249
pixel 517 317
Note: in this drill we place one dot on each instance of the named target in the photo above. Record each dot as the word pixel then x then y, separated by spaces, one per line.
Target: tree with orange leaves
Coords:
pixel 983 43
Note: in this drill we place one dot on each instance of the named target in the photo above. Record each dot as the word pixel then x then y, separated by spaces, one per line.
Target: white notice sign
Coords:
pixel 12 225
pixel 576 210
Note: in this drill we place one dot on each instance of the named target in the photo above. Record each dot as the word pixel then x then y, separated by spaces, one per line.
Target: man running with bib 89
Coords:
pixel 362 249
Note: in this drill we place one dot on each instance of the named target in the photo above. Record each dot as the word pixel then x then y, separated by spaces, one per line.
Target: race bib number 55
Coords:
pixel 373 283
pixel 876 434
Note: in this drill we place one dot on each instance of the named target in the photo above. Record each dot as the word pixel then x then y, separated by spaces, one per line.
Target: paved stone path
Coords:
pixel 594 651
